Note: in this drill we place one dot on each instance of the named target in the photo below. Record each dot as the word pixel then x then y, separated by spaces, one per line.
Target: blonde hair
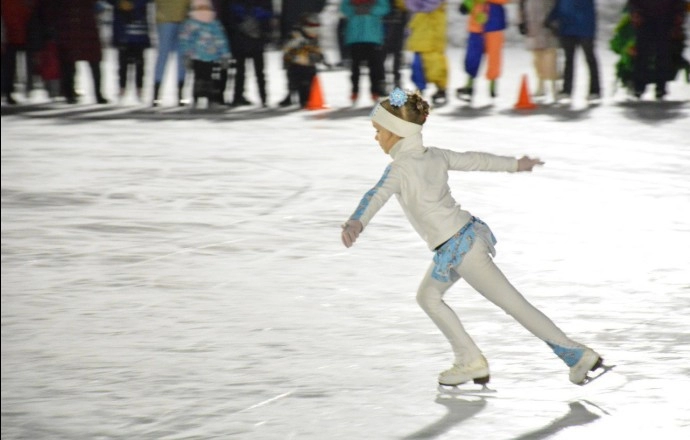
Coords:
pixel 414 110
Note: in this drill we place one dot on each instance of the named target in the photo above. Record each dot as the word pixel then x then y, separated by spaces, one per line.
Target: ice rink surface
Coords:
pixel 177 275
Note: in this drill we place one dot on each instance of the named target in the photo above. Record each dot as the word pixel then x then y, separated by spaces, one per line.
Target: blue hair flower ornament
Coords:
pixel 398 97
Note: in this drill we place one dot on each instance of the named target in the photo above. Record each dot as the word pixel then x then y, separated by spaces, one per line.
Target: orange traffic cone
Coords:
pixel 524 101
pixel 315 101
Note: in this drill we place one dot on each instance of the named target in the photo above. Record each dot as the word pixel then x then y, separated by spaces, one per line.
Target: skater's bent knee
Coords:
pixel 429 300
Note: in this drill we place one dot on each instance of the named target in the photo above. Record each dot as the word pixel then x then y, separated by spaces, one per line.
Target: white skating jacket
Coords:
pixel 418 176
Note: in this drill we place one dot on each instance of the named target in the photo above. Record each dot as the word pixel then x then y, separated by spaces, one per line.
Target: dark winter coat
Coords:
pixel 130 26
pixel 76 31
pixel 15 17
pixel 574 18
pixel 291 11
pixel 248 23
pixel 665 17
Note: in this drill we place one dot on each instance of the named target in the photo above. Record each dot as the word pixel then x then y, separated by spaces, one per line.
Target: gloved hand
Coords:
pixel 552 25
pixel 466 6
pixel 351 230
pixel 522 27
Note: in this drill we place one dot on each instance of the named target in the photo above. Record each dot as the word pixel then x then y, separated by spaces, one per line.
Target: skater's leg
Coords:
pixel 480 272
pixel 430 298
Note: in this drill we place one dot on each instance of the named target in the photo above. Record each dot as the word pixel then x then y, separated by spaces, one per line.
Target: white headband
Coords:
pixel 393 123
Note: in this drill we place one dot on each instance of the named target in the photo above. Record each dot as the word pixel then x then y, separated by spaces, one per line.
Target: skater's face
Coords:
pixel 385 138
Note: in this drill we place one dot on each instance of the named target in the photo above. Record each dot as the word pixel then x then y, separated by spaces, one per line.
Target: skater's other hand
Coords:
pixel 351 230
pixel 526 163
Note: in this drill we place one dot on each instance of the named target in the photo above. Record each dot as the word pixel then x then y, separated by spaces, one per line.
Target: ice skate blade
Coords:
pixel 456 390
pixel 599 366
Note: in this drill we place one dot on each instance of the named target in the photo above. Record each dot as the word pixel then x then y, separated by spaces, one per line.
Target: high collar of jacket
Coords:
pixel 407 145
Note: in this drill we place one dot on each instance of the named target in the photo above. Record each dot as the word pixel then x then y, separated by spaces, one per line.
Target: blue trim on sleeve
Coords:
pixel 364 203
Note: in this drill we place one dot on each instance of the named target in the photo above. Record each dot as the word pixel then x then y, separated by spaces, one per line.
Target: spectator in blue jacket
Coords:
pixel 575 23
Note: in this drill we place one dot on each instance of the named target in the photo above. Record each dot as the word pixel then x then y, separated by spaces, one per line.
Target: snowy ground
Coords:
pixel 176 275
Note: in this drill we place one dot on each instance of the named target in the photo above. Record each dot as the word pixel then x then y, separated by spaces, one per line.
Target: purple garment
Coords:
pixel 423 5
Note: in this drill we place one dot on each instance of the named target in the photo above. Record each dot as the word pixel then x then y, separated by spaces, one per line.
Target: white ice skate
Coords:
pixel 476 371
pixel 590 361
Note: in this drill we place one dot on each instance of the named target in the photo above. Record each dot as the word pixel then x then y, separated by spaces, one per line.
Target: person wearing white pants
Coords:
pixel 463 245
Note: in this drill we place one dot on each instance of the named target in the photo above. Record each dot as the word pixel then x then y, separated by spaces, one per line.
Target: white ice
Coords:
pixel 180 276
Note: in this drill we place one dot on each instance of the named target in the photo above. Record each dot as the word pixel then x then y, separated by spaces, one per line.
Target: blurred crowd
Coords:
pixel 213 41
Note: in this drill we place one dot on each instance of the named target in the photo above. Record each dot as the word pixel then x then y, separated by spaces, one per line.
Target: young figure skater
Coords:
pixel 463 245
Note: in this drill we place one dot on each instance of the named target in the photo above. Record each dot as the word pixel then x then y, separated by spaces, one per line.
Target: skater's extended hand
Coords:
pixel 351 230
pixel 527 163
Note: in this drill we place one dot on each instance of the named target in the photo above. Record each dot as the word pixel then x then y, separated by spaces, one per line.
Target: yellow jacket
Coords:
pixel 428 31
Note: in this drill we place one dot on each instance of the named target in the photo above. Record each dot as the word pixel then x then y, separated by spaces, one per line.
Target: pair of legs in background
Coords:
pixel 481 273
pixel 68 72
pixel 374 57
pixel 546 67
pixel 209 82
pixel 489 44
pixel 300 80
pixel 258 62
pixel 168 42
pixel 130 55
pixel 569 45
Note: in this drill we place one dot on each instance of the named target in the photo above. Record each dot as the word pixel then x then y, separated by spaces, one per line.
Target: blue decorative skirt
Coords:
pixel 450 254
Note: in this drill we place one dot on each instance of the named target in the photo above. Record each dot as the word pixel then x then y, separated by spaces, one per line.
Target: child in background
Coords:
pixel 542 42
pixel 131 38
pixel 427 40
pixel 301 54
pixel 486 26
pixel 463 245
pixel 204 45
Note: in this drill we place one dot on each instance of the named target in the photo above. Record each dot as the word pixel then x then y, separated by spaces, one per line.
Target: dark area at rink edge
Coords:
pixel 649 111
pixel 98 112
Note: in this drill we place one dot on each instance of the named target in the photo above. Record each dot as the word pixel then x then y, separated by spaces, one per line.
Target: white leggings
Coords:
pixel 480 272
